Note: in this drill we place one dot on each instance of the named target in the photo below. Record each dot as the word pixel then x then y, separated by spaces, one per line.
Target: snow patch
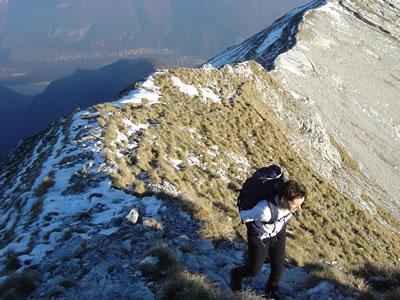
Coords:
pixel 132 128
pixel 138 95
pixel 175 162
pixel 121 137
pixel 193 159
pixel 189 129
pixel 153 260
pixel 152 205
pixel 324 287
pixel 240 160
pixel 187 89
pixel 147 91
pixel 271 38
pixel 209 94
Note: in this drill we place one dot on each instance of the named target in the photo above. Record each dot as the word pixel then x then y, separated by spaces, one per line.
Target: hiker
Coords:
pixel 265 238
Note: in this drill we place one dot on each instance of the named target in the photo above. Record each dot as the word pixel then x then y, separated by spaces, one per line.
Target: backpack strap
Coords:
pixel 274 211
pixel 272 172
pixel 273 205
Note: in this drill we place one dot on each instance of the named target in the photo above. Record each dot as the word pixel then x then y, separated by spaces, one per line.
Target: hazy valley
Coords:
pixel 47 40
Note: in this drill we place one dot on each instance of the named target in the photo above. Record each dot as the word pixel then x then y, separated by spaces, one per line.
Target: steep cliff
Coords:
pixel 343 70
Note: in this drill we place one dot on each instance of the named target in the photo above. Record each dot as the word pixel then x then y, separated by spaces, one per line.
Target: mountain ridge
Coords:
pixel 347 88
pixel 266 45
pixel 10 113
pixel 85 88
pixel 81 89
pixel 96 166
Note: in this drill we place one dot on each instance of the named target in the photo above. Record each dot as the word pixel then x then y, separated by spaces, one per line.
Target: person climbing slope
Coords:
pixel 266 234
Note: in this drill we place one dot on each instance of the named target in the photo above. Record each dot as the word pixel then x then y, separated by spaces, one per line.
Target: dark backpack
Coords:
pixel 264 184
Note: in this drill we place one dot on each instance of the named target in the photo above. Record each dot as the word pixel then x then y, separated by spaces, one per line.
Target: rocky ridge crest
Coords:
pixel 341 69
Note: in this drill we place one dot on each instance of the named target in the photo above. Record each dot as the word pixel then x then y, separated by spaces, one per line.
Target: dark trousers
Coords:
pixel 258 250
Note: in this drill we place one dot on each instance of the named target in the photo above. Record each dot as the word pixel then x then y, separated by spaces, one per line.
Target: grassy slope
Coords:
pixel 219 145
pixel 332 227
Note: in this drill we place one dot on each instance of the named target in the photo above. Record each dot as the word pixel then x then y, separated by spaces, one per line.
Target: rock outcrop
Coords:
pixel 341 69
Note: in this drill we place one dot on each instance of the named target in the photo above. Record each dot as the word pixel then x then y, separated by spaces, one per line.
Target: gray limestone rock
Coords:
pixel 132 216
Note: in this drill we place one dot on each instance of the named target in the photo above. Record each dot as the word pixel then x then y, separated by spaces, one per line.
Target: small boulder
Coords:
pixel 133 216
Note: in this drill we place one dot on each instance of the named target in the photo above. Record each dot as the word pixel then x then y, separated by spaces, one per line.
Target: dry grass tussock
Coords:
pixel 179 283
pixel 206 150
pixel 18 285
pixel 184 285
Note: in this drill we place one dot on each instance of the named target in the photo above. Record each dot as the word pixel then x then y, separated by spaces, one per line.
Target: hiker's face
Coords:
pixel 295 204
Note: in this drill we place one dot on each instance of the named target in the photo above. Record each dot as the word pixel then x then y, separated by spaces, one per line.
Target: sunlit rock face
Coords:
pixel 343 65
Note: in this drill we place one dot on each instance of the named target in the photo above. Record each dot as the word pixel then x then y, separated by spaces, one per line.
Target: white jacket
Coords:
pixel 262 213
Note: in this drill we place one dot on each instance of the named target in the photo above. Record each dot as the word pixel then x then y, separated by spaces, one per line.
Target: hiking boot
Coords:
pixel 236 281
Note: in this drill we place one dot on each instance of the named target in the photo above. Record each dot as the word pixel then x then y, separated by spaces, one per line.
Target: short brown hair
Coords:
pixel 292 190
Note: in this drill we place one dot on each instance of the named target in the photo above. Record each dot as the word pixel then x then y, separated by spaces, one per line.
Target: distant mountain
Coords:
pixel 80 90
pixel 13 105
pixel 265 46
pixel 177 31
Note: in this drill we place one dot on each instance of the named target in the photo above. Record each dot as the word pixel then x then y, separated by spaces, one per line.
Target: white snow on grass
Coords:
pixel 152 205
pixel 209 94
pixel 189 129
pixel 242 161
pixel 270 39
pixel 235 53
pixel 187 89
pixel 136 96
pixel 132 128
pixel 175 162
pixel 66 206
pixel 213 151
pixel 77 122
pixel 323 287
pixel 193 159
pixel 26 167
pixel 46 168
pixel 149 83
pixel 60 206
pixel 121 137
pixel 148 91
